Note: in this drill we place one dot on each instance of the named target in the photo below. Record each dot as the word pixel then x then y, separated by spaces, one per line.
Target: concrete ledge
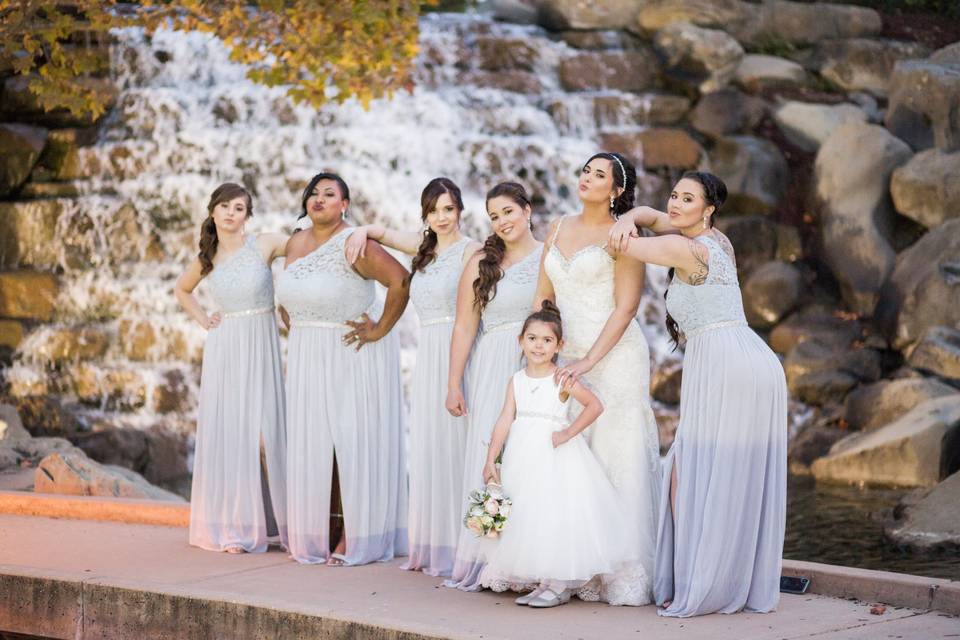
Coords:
pixel 897 589
pixel 127 510
pixel 40 603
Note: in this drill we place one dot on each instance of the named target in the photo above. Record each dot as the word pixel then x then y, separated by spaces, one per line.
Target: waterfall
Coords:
pixel 188 119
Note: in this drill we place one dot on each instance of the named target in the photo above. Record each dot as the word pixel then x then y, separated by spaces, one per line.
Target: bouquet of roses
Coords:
pixel 487 511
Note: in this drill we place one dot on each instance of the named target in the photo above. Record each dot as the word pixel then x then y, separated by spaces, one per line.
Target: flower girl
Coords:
pixel 565 525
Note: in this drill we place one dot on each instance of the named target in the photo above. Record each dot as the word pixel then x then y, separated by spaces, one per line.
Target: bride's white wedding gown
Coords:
pixel 624 438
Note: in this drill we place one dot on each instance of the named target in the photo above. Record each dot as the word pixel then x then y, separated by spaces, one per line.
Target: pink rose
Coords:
pixel 491 507
pixel 473 524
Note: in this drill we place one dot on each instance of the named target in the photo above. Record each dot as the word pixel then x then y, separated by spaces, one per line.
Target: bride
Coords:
pixel 598 295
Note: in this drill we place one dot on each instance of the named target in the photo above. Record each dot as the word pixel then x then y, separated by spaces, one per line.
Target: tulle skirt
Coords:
pixel 566 523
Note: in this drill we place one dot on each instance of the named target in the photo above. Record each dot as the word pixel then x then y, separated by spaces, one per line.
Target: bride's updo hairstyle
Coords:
pixel 548 314
pixel 624 177
pixel 485 286
pixel 714 194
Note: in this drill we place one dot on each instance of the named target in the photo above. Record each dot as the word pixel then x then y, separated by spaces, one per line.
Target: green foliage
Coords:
pixel 322 49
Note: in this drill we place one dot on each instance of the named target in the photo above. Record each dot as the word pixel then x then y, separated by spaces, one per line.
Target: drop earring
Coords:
pixel 611 201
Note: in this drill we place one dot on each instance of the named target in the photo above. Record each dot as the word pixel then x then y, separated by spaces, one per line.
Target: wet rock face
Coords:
pixel 20 146
pixel 924 100
pixel 927 188
pixel 856 208
pixel 27 295
pixel 656 147
pixel 595 70
pixel 924 288
pixel 929 520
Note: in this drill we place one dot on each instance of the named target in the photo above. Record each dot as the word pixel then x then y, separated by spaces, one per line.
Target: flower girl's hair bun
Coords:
pixel 549 314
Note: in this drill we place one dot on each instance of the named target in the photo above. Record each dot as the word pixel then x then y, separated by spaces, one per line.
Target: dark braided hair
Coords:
pixel 209 241
pixel 715 194
pixel 626 179
pixel 427 251
pixel 485 286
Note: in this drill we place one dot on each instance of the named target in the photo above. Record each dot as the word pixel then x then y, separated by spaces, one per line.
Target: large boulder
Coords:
pixel 157 453
pixel 927 188
pixel 11 427
pixel 874 405
pixel 499 53
pixel 733 16
pixel 705 59
pixel 917 450
pixel 949 54
pixel 938 352
pixel 754 171
pixel 73 473
pixel 757 72
pixel 924 289
pixel 595 70
pixel 727 112
pixel 28 295
pixel 558 15
pixel 656 147
pixel 857 213
pixel 823 374
pixel 811 443
pixel 924 108
pixel 864 64
pixel 818 324
pixel 808 124
pixel 930 520
pixel 20 148
pixel 757 240
pixel 771 292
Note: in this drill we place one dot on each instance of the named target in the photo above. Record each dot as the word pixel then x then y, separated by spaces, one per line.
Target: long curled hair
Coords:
pixel 485 285
pixel 427 251
pixel 209 241
pixel 624 177
pixel 549 314
pixel 325 175
pixel 715 194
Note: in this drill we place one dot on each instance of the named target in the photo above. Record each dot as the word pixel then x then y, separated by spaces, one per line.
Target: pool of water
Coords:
pixel 844 525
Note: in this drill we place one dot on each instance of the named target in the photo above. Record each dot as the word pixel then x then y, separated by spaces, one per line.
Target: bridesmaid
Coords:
pixel 344 397
pixel 238 495
pixel 723 505
pixel 437 439
pixel 496 289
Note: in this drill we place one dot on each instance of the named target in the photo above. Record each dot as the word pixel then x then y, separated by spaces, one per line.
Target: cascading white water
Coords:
pixel 187 119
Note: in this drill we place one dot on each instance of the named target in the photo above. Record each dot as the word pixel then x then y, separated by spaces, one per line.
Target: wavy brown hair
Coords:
pixel 427 251
pixel 714 193
pixel 485 286
pixel 209 241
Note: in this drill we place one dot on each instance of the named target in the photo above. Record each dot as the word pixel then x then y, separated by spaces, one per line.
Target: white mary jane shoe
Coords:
pixel 526 599
pixel 549 599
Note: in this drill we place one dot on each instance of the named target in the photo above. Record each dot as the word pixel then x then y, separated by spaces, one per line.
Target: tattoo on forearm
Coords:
pixel 701 256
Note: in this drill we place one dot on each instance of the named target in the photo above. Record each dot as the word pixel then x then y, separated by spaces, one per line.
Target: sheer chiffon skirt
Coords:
pixel 720 551
pixel 346 403
pixel 237 499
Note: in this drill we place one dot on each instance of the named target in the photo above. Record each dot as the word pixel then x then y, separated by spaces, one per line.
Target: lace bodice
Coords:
pixel 433 291
pixel 243 282
pixel 716 301
pixel 322 287
pixel 538 398
pixel 583 285
pixel 515 292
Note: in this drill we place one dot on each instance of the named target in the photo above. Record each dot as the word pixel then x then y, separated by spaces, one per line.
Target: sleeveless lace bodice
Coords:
pixel 583 285
pixel 515 293
pixel 243 282
pixel 322 287
pixel 538 398
pixel 433 291
pixel 715 303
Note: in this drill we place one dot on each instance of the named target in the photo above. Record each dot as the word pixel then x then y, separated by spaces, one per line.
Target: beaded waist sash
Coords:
pixel 716 325
pixel 248 312
pixel 433 321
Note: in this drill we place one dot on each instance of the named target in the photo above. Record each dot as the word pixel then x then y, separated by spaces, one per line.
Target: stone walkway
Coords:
pixel 145 581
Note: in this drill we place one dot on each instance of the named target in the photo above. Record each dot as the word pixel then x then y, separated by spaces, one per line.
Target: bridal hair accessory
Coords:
pixel 622 172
